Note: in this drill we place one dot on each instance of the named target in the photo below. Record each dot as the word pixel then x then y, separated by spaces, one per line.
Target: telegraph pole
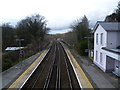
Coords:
pixel 19 40
pixel 21 52
pixel 88 38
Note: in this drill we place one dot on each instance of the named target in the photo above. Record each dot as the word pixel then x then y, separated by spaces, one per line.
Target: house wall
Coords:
pixel 98 47
pixel 118 38
pixel 113 39
pixel 111 54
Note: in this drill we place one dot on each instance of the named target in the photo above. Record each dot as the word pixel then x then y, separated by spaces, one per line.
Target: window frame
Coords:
pixel 101 38
pixel 101 58
pixel 97 38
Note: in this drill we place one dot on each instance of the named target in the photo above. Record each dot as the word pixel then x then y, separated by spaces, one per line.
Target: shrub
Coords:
pixel 81 46
pixel 7 64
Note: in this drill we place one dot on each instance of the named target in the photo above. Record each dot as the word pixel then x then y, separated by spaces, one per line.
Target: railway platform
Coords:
pixel 81 76
pixel 97 77
pixel 11 75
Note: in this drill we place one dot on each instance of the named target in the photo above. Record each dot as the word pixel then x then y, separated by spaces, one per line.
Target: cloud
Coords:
pixel 59 13
pixel 59 31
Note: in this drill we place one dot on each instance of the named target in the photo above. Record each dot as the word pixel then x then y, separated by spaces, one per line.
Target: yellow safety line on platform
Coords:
pixel 80 69
pixel 26 71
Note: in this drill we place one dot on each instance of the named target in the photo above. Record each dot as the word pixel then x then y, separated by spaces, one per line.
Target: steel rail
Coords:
pixel 42 69
pixel 50 72
pixel 58 72
pixel 68 73
pixel 80 86
pixel 58 84
pixel 57 79
pixel 66 68
pixel 33 71
pixel 57 75
pixel 54 71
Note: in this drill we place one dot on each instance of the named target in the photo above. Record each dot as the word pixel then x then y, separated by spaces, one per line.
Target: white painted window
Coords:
pixel 97 38
pixel 101 58
pixel 101 39
pixel 96 55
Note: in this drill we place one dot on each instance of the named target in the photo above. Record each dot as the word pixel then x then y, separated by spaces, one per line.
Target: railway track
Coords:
pixel 55 71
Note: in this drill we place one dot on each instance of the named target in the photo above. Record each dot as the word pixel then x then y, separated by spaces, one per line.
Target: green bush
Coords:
pixel 81 46
pixel 7 64
pixel 11 58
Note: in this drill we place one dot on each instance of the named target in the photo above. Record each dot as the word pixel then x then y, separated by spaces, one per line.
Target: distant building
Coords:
pixel 107 46
pixel 13 48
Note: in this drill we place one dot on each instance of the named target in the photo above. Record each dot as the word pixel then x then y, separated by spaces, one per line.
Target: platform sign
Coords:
pixel 21 54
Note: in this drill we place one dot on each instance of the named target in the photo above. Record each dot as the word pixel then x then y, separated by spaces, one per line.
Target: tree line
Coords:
pixel 115 16
pixel 76 37
pixel 32 29
pixel 34 32
pixel 80 30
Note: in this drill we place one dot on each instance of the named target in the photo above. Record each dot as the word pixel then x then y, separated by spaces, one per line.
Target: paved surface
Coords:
pixel 10 75
pixel 98 78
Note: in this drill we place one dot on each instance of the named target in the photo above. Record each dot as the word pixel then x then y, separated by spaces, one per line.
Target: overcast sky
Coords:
pixel 59 13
